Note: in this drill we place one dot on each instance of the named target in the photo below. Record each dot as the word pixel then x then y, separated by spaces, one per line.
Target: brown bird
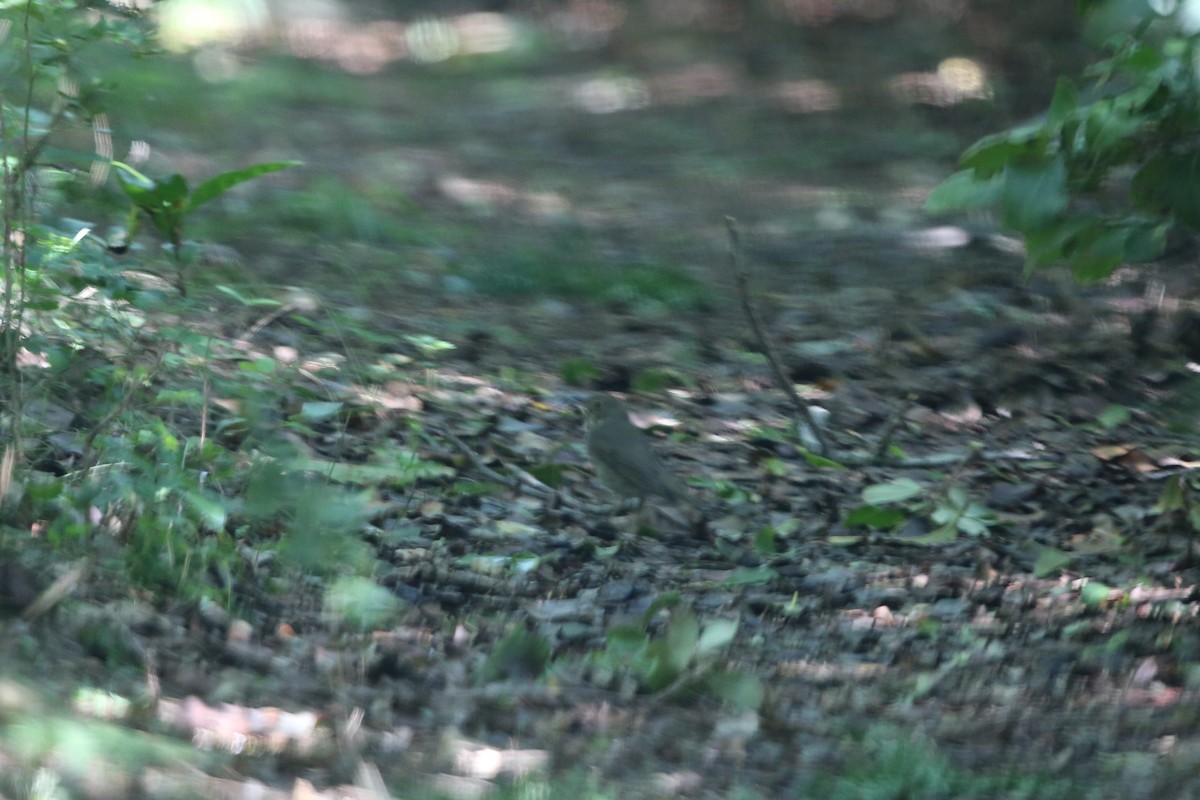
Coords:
pixel 622 456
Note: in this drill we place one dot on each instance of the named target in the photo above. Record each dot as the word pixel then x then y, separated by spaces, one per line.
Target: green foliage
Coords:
pixel 138 470
pixel 1100 179
pixel 360 603
pixel 578 372
pixel 1178 505
pixel 656 379
pixel 522 655
pixel 684 655
pixel 891 764
pixel 167 202
pixel 953 512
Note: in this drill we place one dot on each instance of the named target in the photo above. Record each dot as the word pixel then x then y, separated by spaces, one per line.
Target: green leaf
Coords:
pixel 319 412
pixel 1034 194
pixel 172 190
pixel 360 602
pixel 875 518
pixel 1094 593
pixel 1048 245
pixel 1050 561
pixel 247 301
pixel 1097 256
pixel 625 639
pixel 1145 242
pixel 750 576
pixel 209 509
pixel 764 541
pixel 820 462
pixel 717 634
pixel 1170 183
pixel 215 187
pixel 742 689
pixel 974 524
pixel 682 635
pixel 1064 102
pixel 656 379
pixel 1112 416
pixel 942 535
pixel 127 174
pixel 405 470
pixel 1110 128
pixel 991 154
pixel 965 190
pixel 578 372
pixel 895 491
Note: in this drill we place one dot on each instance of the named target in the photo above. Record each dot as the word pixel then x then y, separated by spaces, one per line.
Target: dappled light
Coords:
pixel 492 196
pixel 610 95
pixel 954 81
pixel 806 96
pixel 359 48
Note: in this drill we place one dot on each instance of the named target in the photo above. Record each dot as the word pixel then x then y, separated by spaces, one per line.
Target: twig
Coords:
pixel 522 481
pixel 263 322
pixel 742 282
pixel 936 459
pixel 889 430
pixel 522 478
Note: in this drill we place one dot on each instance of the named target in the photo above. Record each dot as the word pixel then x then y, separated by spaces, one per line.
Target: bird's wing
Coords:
pixel 638 463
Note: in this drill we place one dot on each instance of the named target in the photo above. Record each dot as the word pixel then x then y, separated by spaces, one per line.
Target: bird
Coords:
pixel 622 456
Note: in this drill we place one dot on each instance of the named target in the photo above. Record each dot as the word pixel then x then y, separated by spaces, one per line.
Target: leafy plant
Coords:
pixel 1103 176
pixel 167 202
pixel 684 654
pixel 953 512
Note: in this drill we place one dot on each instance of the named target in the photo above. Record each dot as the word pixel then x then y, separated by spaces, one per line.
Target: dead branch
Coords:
pixel 741 280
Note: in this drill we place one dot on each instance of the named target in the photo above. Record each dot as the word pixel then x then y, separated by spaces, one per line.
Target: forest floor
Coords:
pixel 986 588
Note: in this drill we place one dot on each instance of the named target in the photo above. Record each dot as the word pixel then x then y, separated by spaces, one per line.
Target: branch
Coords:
pixel 742 282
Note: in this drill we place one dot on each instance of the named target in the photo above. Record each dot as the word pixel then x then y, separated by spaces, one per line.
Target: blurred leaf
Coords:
pixel 522 655
pixel 750 576
pixel 942 535
pixel 764 541
pixel 875 518
pixel 215 187
pixel 1094 593
pixel 895 491
pixel 820 462
pixel 578 372
pixel 209 508
pixel 991 154
pixel 650 381
pixel 742 689
pixel 360 603
pixel 683 633
pixel 319 412
pixel 1050 561
pixel 964 191
pixel 1098 254
pixel 1112 416
pixel 717 634
pixel 1034 194
pixel 1064 102
pixel 252 302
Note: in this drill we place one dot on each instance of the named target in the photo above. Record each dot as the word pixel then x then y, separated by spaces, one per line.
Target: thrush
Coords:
pixel 622 456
